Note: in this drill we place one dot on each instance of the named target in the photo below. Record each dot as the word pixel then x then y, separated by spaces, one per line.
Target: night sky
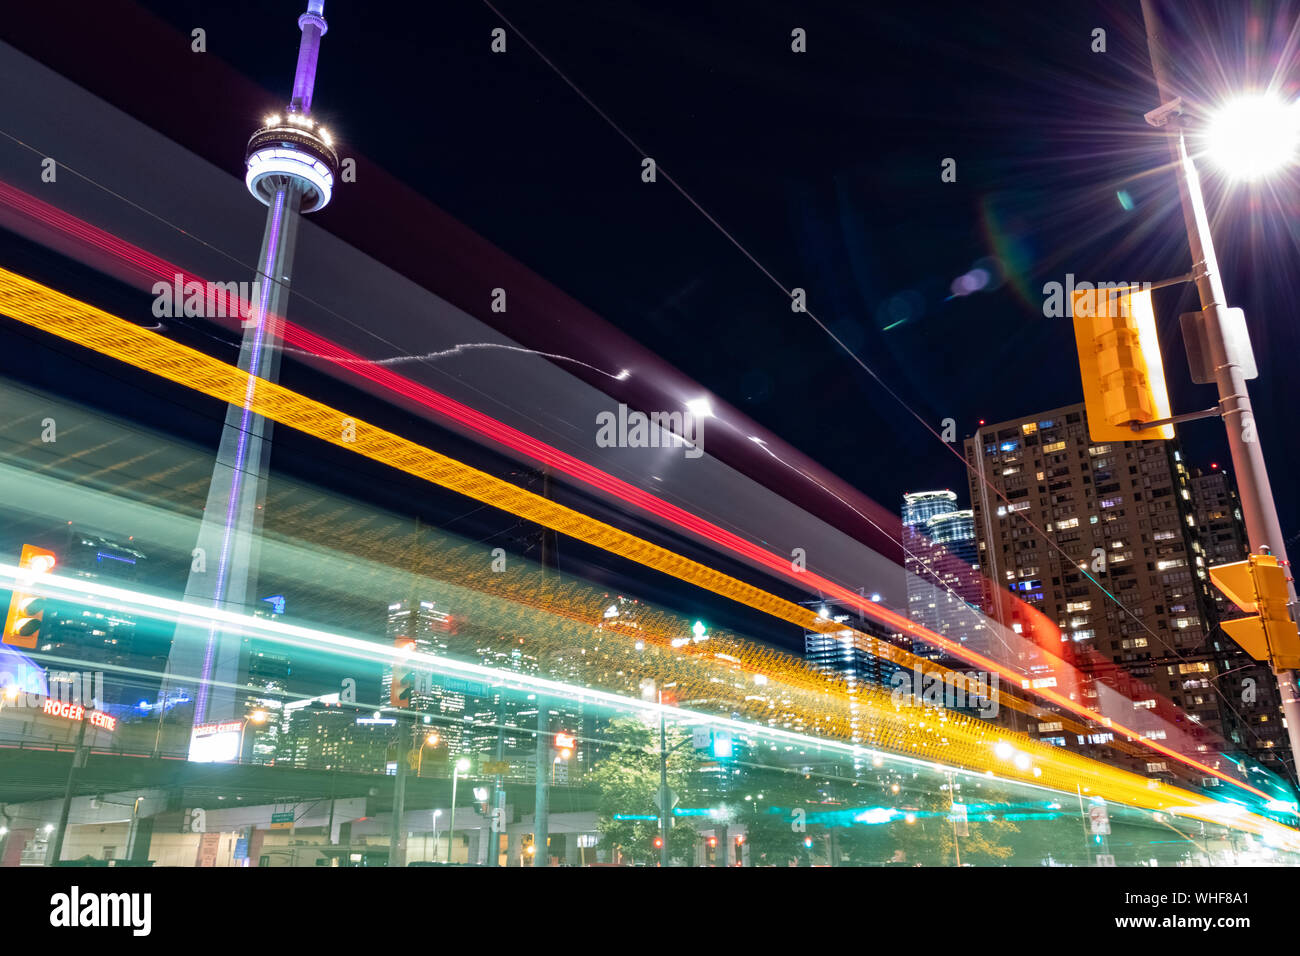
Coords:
pixel 823 166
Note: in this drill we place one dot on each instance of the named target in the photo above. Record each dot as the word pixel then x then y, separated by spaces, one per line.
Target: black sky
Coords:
pixel 825 166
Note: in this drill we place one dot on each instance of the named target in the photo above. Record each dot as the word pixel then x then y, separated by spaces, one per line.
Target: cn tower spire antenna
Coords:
pixel 313 27
pixel 291 168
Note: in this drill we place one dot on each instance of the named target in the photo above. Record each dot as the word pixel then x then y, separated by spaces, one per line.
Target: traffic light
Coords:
pixel 26 611
pixel 399 694
pixel 1119 363
pixel 659 843
pixel 1258 584
pixel 722 745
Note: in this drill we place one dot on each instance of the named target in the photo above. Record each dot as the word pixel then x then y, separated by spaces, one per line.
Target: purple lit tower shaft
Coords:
pixel 206 661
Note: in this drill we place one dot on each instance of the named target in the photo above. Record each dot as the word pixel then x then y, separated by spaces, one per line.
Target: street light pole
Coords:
pixel 1262 526
pixel 541 796
pixel 55 849
pixel 397 829
pixel 664 805
pixel 461 764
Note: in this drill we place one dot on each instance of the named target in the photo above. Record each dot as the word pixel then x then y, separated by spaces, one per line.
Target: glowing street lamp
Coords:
pixel 1268 127
pixel 430 741
pixel 461 766
pixel 1253 135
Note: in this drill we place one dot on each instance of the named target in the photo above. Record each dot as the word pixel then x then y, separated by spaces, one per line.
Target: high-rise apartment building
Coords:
pixel 1102 539
pixel 332 736
pixel 1251 704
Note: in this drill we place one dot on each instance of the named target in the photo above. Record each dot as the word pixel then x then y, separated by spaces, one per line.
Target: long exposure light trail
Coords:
pixel 22 211
pixel 1049 768
pixel 152 268
pixel 61 315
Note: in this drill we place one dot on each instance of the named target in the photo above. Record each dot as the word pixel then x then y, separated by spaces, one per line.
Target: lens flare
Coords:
pixel 1253 135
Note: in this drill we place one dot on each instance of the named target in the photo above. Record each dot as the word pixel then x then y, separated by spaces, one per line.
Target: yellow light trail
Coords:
pixel 61 315
pixel 909 731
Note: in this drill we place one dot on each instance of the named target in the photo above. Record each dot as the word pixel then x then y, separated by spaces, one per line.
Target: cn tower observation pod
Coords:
pixel 292 147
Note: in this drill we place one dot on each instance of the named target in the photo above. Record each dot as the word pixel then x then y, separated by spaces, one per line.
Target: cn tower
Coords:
pixel 291 169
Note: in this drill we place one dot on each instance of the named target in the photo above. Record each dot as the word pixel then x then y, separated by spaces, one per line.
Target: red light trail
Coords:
pixel 151 268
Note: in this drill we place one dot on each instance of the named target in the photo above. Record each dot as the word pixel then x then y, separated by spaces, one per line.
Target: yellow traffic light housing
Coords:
pixel 403 685
pixel 1119 363
pixel 27 611
pixel 1259 584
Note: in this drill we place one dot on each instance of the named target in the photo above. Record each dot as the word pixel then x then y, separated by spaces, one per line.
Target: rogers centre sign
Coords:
pixel 67 711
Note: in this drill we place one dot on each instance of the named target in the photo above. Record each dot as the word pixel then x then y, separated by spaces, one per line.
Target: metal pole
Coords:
pixel 451 819
pixel 952 809
pixel 397 832
pixel 664 806
pixel 1262 525
pixel 55 852
pixel 498 809
pixel 541 796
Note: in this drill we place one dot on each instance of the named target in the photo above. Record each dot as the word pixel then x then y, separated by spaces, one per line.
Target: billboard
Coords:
pixel 216 743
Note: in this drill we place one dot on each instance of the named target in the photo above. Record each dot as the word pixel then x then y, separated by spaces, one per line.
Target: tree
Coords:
pixel 626 781
pixel 931 838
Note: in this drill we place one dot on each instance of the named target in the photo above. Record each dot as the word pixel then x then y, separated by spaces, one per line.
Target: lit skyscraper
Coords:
pixel 942 561
pixel 856 658
pixel 291 168
pixel 101 640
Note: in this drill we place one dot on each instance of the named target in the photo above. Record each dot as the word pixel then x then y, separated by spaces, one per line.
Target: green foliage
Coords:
pixel 626 779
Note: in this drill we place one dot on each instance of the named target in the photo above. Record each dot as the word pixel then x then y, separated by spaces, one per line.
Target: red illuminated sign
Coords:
pixel 68 711
pixel 565 741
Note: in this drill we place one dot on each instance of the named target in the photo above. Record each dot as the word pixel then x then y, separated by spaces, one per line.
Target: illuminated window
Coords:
pixel 1068 523
pixel 1054 446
